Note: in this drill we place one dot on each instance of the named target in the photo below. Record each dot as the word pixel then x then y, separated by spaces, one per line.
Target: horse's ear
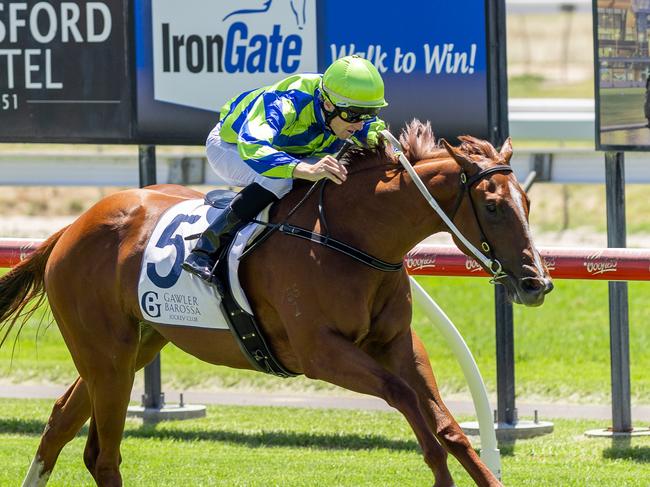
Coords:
pixel 458 156
pixel 506 150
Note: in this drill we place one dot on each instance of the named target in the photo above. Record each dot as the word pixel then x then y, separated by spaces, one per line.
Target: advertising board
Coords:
pixel 65 71
pixel 158 71
pixel 193 56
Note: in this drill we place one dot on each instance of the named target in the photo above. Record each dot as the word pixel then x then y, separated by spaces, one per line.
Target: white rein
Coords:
pixel 493 265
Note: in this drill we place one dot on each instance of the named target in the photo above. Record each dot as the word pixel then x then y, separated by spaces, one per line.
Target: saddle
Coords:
pixel 170 296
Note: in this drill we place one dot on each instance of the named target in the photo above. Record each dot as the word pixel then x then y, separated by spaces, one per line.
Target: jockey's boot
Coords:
pixel 203 257
pixel 242 209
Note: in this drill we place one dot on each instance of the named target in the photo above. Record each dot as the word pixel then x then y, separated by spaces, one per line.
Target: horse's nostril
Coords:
pixel 549 286
pixel 533 285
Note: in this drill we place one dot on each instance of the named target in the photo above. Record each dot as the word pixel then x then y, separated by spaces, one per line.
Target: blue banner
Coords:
pixel 431 53
pixel 194 55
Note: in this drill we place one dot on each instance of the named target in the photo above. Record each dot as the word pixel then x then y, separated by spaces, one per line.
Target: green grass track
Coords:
pixel 275 446
pixel 561 348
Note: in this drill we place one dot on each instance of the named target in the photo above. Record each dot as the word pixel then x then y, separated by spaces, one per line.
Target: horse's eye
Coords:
pixel 491 208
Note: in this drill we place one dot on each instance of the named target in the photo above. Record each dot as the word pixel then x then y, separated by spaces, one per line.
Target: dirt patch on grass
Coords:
pixel 44 201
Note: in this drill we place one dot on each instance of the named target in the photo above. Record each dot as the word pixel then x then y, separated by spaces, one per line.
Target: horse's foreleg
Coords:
pixel 340 362
pixel 407 357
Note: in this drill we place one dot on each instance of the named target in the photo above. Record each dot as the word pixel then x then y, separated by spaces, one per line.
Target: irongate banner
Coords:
pixel 193 56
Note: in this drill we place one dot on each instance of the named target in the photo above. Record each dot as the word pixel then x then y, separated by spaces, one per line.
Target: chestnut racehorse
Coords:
pixel 324 315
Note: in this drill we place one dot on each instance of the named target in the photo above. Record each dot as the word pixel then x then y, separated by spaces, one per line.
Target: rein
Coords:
pixel 325 240
pixel 490 263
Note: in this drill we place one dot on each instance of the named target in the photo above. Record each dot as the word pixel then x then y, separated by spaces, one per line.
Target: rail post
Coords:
pixel 153 407
pixel 505 350
pixel 489 447
pixel 618 304
pixel 152 382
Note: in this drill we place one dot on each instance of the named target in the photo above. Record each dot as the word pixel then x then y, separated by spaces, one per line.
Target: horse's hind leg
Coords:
pixel 407 357
pixel 69 414
pixel 102 454
pixel 71 411
pixel 110 391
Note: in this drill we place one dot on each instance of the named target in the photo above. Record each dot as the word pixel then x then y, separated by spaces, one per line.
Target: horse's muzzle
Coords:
pixel 529 291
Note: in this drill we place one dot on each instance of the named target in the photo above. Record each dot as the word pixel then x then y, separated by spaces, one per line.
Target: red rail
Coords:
pixel 13 250
pixel 562 262
pixel 438 260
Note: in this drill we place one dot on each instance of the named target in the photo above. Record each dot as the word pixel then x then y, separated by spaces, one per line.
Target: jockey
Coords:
pixel 270 136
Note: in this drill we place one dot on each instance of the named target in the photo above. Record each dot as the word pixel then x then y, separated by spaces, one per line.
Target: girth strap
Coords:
pixel 339 246
pixel 250 339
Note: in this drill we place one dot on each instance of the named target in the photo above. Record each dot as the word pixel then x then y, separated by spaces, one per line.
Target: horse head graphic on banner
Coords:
pixel 298 8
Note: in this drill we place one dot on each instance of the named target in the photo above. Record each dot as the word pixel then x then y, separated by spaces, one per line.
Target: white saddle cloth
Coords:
pixel 172 296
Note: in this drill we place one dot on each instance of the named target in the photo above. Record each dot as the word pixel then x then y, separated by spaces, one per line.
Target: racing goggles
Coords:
pixel 356 114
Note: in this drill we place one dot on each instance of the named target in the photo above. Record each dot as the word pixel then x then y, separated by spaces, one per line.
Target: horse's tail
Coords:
pixel 23 283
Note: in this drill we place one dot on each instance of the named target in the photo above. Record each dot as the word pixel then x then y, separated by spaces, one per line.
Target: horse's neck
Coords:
pixel 385 214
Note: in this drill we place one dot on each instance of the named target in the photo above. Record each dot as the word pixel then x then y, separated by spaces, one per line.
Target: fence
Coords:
pixel 607 264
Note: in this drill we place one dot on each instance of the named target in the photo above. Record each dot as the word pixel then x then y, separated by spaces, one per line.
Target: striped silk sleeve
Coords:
pixel 265 121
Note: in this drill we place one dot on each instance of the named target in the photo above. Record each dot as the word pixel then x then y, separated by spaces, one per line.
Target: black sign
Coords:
pixel 69 69
pixel 65 71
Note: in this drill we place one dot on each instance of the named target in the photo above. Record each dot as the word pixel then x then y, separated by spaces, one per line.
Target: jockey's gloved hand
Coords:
pixel 328 167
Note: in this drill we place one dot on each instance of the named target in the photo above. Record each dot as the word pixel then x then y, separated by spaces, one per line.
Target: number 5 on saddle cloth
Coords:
pixel 171 296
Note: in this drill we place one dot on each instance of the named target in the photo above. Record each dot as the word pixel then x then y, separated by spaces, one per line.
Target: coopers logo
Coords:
pixel 216 49
pixel 597 264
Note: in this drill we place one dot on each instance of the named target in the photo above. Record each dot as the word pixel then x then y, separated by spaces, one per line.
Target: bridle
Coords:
pixel 490 263
pixel 466 188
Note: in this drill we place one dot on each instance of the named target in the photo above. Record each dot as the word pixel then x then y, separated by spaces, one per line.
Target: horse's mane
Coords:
pixel 417 140
pixel 418 143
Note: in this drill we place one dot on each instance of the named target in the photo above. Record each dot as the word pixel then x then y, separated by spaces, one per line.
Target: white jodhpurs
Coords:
pixel 229 166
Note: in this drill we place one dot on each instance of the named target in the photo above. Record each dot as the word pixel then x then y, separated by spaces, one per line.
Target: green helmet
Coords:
pixel 353 81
